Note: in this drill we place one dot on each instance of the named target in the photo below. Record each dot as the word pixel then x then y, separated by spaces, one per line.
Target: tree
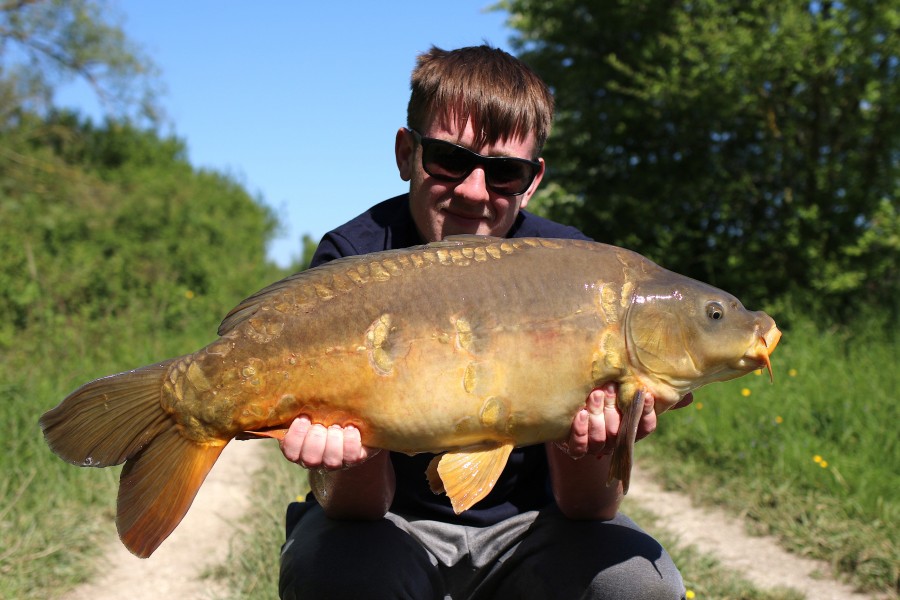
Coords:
pixel 751 144
pixel 44 43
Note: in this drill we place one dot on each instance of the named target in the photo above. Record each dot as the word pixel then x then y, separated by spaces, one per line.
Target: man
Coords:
pixel 477 121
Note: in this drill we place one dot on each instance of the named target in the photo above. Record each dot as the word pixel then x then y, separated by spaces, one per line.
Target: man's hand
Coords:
pixel 315 446
pixel 596 426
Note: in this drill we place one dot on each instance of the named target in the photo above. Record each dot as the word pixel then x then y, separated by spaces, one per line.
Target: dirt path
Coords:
pixel 759 559
pixel 201 541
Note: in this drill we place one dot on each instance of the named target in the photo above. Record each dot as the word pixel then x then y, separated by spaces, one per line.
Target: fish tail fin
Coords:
pixel 157 486
pixel 118 419
pixel 110 419
pixel 622 457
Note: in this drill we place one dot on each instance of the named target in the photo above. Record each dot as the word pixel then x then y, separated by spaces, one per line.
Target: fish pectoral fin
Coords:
pixel 632 408
pixel 467 475
pixel 275 434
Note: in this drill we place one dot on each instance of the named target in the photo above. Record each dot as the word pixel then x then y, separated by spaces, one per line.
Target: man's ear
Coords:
pixel 534 185
pixel 404 151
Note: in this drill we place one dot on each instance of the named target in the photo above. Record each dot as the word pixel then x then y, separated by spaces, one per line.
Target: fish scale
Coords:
pixel 465 348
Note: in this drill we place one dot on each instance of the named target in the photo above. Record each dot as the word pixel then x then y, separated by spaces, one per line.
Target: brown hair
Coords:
pixel 501 95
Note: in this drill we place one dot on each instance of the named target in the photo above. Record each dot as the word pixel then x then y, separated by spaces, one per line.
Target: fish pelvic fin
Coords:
pixel 467 475
pixel 110 419
pixel 631 403
pixel 157 486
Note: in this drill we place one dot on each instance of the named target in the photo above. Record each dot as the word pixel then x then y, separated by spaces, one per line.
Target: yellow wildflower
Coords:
pixel 699 405
pixel 792 372
pixel 189 294
pixel 745 392
pixel 823 464
pixel 779 419
pixel 817 459
pixel 690 594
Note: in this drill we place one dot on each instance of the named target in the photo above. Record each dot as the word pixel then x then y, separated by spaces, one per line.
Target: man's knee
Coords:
pixel 324 558
pixel 636 579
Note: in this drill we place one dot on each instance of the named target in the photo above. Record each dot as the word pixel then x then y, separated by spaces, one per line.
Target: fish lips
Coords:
pixel 759 352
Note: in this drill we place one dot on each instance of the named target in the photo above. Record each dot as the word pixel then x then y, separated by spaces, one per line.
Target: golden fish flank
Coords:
pixel 467 347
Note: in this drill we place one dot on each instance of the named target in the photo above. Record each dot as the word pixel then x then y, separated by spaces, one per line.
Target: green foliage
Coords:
pixel 812 458
pixel 94 220
pixel 751 144
pixel 114 253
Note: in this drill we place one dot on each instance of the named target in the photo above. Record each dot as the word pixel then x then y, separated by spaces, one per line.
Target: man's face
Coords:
pixel 442 208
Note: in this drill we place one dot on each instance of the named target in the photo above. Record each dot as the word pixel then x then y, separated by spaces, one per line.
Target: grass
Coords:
pixel 54 515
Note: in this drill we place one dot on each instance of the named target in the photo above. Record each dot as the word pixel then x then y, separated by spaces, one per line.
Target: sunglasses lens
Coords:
pixel 446 161
pixel 509 176
pixel 449 162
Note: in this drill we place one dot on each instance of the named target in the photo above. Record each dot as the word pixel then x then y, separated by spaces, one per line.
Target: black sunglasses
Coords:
pixel 448 162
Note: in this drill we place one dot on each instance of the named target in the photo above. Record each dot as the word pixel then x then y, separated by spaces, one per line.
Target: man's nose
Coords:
pixel 474 187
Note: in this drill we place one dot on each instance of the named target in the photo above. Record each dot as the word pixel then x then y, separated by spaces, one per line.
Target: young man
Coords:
pixel 477 121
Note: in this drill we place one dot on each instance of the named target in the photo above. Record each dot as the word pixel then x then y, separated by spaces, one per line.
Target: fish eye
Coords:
pixel 715 311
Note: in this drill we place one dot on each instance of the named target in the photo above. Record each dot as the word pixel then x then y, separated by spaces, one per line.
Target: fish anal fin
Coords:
pixel 631 403
pixel 469 474
pixel 157 486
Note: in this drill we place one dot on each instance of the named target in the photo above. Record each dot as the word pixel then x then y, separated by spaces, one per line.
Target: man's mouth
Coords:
pixel 467 217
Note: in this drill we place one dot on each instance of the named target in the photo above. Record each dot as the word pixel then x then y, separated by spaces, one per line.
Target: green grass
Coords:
pixel 813 459
pixel 54 515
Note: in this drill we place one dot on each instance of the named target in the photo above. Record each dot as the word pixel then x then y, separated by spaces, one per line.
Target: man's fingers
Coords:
pixel 313 449
pixel 597 428
pixel 293 439
pixel 612 418
pixel 333 454
pixel 353 448
pixel 647 424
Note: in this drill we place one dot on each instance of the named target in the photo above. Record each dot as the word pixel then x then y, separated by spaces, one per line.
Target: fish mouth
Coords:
pixel 763 347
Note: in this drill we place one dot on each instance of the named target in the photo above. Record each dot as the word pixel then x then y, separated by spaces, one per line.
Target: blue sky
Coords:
pixel 298 100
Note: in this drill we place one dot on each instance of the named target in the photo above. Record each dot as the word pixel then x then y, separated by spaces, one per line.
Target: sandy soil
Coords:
pixel 198 543
pixel 201 541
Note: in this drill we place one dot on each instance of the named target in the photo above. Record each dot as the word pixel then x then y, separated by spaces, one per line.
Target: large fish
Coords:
pixel 467 347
